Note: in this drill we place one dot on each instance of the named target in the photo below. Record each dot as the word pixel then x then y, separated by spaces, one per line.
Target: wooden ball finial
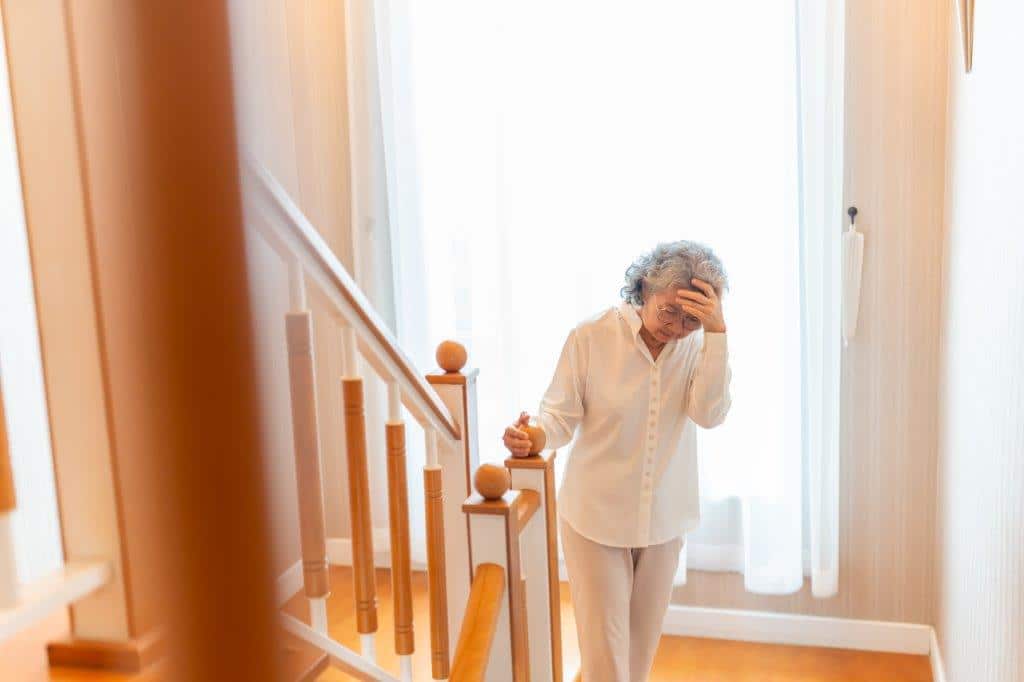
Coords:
pixel 451 356
pixel 492 481
pixel 536 436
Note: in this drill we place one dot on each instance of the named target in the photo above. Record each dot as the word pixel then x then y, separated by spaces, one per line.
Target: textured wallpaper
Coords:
pixel 980 509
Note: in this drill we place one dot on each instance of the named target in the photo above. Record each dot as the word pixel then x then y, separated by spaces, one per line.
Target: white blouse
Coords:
pixel 631 476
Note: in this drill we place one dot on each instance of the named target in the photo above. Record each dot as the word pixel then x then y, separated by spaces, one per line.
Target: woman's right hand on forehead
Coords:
pixel 515 439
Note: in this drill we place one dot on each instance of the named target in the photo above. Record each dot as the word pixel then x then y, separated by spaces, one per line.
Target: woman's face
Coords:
pixel 670 322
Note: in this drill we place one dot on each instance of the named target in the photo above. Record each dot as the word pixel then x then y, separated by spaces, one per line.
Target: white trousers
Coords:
pixel 619 595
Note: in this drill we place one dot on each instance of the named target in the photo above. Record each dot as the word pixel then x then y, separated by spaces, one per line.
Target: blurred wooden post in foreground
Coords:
pixel 126 141
pixel 208 472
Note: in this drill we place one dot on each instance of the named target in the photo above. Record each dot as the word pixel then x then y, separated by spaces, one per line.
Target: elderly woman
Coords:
pixel 634 379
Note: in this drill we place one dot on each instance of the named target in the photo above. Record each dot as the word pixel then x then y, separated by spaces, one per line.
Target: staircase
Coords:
pixel 491 562
pixel 491 572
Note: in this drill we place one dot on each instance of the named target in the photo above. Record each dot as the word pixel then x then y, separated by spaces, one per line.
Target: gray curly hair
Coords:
pixel 673 263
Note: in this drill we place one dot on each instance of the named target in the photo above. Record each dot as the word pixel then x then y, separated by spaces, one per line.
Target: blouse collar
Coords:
pixel 628 312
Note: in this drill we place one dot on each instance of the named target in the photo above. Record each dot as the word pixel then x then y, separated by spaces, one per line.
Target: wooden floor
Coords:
pixel 679 659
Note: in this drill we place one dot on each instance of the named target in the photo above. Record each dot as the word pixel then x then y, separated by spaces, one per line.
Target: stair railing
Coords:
pixel 466 532
pixel 440 402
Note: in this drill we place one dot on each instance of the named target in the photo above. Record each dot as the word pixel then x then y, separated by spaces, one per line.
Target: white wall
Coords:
pixel 36 524
pixel 980 509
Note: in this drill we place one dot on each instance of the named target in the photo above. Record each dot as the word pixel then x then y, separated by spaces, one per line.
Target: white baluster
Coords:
pixel 368 646
pixel 431 441
pixel 8 566
pixel 394 403
pixel 296 287
pixel 318 615
pixel 350 347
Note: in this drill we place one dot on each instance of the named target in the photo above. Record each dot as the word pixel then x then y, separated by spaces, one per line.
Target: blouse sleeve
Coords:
pixel 561 408
pixel 708 398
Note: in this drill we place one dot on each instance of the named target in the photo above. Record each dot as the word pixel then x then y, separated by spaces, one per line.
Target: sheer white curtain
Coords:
pixel 533 149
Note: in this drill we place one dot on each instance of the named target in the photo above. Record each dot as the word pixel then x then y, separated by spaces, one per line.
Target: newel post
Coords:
pixel 456 386
pixel 540 563
pixel 499 521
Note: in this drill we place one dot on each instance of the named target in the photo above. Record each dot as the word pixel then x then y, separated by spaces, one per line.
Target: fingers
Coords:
pixel 702 303
pixel 687 296
pixel 516 434
pixel 710 316
pixel 697 311
pixel 516 441
pixel 705 287
pixel 518 450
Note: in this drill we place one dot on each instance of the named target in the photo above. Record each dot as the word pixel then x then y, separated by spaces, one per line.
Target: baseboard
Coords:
pixel 129 656
pixel 796 629
pixel 339 551
pixel 935 656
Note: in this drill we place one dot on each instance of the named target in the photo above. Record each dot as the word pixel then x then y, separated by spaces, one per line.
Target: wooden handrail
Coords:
pixel 292 235
pixel 522 507
pixel 479 624
pixel 526 504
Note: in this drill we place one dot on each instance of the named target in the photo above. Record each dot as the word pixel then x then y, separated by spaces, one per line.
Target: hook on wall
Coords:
pixel 852 212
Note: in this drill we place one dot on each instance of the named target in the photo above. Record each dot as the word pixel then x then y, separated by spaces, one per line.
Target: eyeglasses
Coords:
pixel 668 316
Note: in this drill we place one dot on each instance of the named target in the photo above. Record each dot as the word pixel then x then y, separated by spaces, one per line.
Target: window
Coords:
pixel 552 143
